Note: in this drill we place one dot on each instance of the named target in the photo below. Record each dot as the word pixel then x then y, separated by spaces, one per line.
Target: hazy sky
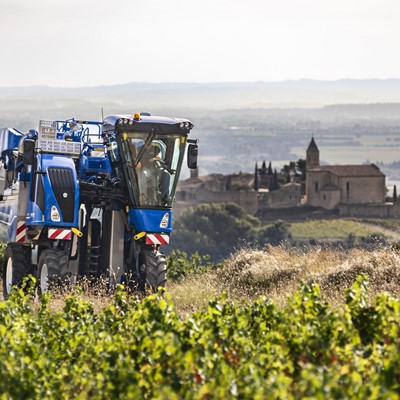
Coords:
pixel 101 42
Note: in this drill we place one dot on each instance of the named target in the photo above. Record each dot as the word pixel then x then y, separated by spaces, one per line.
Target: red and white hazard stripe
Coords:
pixel 60 234
pixel 157 238
pixel 21 232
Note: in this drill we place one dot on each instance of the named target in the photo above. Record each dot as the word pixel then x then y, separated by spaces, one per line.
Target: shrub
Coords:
pixel 180 266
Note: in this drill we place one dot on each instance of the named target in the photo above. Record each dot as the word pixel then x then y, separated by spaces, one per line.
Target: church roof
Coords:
pixel 312 145
pixel 353 170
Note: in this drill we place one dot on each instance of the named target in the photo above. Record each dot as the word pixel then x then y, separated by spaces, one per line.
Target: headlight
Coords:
pixel 55 215
pixel 164 221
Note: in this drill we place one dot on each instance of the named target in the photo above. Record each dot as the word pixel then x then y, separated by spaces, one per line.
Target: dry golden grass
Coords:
pixel 274 272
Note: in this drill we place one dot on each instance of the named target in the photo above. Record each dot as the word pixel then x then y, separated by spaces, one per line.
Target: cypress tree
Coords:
pixel 229 183
pixel 274 185
pixel 263 166
pixel 256 178
pixel 270 168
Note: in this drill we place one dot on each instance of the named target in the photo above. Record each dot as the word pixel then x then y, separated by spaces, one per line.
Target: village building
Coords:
pixel 346 190
pixel 217 188
pixel 340 186
pixel 288 195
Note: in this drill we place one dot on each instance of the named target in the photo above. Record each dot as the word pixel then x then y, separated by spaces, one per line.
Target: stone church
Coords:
pixel 335 186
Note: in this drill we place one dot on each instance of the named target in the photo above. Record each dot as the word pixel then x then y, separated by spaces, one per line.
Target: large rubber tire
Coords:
pixel 153 271
pixel 52 270
pixel 17 265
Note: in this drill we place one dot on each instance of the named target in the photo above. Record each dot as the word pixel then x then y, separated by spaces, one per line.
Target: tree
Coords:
pixel 264 166
pixel 256 178
pixel 274 185
pixel 229 183
pixel 215 229
pixel 294 170
pixel 275 234
pixel 269 168
pixel 301 168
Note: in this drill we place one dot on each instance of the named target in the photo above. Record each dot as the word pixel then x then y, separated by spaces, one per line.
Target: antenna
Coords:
pixel 102 114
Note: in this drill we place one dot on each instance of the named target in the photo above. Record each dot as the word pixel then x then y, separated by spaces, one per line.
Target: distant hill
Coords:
pixel 300 93
pixel 240 123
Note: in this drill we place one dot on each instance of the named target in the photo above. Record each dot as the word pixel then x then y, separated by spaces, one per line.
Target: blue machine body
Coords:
pixel 91 157
pixel 57 186
pixel 9 138
pixel 91 199
pixel 91 164
pixel 150 220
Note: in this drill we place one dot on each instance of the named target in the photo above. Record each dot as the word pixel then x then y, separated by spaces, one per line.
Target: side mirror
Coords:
pixel 29 152
pixel 193 151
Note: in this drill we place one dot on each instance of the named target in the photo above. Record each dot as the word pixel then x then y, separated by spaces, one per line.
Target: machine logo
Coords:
pixel 65 195
pixel 164 221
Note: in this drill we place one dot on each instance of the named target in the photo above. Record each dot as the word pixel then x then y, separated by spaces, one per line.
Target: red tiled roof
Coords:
pixel 352 170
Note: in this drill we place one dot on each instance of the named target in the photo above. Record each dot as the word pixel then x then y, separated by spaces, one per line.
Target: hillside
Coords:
pixel 341 228
pixel 276 273
pixel 287 94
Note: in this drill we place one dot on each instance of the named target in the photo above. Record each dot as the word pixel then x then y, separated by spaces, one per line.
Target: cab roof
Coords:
pixel 113 122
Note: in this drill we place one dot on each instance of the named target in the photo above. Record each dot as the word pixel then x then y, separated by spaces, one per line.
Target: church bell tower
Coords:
pixel 312 155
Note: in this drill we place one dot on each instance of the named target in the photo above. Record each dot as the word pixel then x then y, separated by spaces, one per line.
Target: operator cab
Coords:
pixel 151 150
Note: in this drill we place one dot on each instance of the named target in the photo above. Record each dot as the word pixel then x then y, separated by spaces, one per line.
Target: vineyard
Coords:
pixel 233 347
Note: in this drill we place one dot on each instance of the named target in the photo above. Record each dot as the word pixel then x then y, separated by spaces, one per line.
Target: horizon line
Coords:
pixel 45 86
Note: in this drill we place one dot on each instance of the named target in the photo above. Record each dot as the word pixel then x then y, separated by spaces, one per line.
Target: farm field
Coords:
pixel 341 228
pixel 272 323
pixel 325 229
